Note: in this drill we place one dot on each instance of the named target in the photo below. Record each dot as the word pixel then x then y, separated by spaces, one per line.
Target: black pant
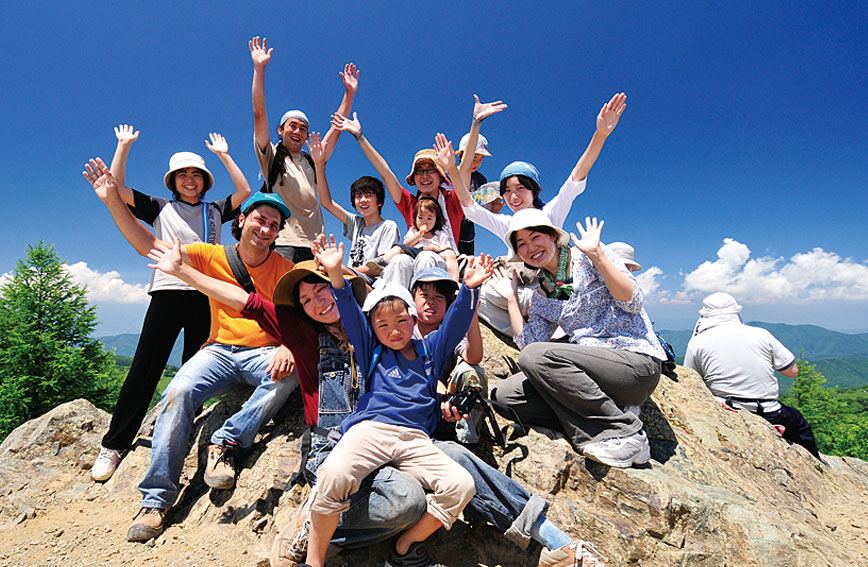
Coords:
pixel 168 313
pixel 798 430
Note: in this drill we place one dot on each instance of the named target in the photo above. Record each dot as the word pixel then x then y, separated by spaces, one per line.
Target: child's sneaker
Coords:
pixel 415 557
pixel 105 464
pixel 376 266
pixel 577 553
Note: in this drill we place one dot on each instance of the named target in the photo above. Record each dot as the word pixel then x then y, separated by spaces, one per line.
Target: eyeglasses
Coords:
pixel 428 171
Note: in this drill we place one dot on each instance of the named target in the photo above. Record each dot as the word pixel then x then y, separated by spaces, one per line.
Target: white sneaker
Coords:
pixel 105 464
pixel 620 452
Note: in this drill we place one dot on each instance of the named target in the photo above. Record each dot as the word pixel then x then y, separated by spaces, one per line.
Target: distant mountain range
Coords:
pixel 842 358
pixel 125 345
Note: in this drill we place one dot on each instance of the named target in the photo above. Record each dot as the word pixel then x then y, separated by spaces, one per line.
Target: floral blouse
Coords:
pixel 591 316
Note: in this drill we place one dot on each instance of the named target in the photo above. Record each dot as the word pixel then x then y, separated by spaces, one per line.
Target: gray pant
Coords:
pixel 402 267
pixel 579 390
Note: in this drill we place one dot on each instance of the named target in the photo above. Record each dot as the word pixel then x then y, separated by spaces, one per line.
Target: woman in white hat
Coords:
pixel 174 305
pixel 612 361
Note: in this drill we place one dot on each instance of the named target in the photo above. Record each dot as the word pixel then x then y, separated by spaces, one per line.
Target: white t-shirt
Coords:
pixel 740 361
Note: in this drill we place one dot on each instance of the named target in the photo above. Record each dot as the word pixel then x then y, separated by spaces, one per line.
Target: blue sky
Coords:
pixel 739 163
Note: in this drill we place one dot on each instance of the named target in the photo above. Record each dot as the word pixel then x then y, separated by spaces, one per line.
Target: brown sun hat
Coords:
pixel 284 291
pixel 426 155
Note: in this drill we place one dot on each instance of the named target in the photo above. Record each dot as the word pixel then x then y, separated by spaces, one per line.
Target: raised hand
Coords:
pixel 445 153
pixel 590 241
pixel 505 283
pixel 126 134
pixel 101 178
pixel 478 270
pixel 166 259
pixel 259 52
pixel 317 148
pixel 611 113
pixel 482 110
pixel 218 144
pixel 350 77
pixel 344 124
pixel 329 255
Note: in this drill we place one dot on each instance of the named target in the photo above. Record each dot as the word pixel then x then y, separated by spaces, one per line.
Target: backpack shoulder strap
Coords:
pixel 242 276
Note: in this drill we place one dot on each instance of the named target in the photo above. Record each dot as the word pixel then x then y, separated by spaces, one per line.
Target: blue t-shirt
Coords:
pixel 400 391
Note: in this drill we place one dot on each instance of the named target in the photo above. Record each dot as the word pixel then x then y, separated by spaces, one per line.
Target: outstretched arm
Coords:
pixel 481 111
pixel 330 257
pixel 350 79
pixel 355 128
pixel 261 56
pixel 606 122
pixel 106 189
pixel 319 153
pixel 126 135
pixel 220 147
pixel 446 157
pixel 168 260
pixel 620 285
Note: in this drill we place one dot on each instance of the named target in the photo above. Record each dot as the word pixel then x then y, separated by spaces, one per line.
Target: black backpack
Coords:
pixel 668 366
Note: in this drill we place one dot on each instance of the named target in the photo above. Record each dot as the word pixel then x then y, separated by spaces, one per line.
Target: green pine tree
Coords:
pixel 47 356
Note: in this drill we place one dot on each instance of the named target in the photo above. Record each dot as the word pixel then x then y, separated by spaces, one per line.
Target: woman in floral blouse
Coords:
pixel 591 387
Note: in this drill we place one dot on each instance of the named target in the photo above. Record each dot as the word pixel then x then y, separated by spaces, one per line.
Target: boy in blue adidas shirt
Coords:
pixel 398 413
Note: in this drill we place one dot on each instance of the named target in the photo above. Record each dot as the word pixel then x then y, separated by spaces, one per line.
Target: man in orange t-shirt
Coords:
pixel 238 353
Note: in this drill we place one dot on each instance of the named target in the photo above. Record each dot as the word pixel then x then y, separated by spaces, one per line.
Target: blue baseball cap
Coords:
pixel 268 199
pixel 434 274
pixel 520 168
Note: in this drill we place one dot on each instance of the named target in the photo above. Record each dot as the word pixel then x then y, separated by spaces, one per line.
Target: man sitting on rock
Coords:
pixel 238 353
pixel 738 364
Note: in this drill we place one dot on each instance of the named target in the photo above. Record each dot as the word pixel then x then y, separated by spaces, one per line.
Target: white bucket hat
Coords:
pixel 719 303
pixel 625 252
pixel 181 160
pixel 529 219
pixel 390 289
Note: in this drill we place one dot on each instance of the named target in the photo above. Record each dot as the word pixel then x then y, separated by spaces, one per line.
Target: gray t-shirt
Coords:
pixel 173 219
pixel 740 361
pixel 369 241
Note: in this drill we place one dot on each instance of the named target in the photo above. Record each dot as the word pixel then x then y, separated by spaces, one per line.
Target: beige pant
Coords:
pixel 369 445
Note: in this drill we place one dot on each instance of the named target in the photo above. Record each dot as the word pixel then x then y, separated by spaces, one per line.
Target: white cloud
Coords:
pixel 106 287
pixel 648 281
pixel 806 277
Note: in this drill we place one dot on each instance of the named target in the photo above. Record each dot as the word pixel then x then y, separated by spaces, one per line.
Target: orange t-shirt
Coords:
pixel 228 327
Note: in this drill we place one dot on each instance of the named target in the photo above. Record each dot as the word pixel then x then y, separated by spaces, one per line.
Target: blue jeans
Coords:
pixel 214 370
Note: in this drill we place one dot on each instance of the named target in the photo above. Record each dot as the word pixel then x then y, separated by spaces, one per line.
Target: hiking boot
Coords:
pixel 105 464
pixel 620 452
pixel 220 470
pixel 577 553
pixel 148 524
pixel 290 545
pixel 415 557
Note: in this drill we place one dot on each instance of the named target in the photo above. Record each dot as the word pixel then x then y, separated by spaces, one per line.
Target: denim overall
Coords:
pixel 340 387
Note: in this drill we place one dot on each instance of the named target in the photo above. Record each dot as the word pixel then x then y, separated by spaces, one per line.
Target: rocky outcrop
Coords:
pixel 722 489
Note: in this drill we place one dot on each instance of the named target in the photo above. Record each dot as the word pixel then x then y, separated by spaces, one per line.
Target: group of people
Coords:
pixel 375 339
